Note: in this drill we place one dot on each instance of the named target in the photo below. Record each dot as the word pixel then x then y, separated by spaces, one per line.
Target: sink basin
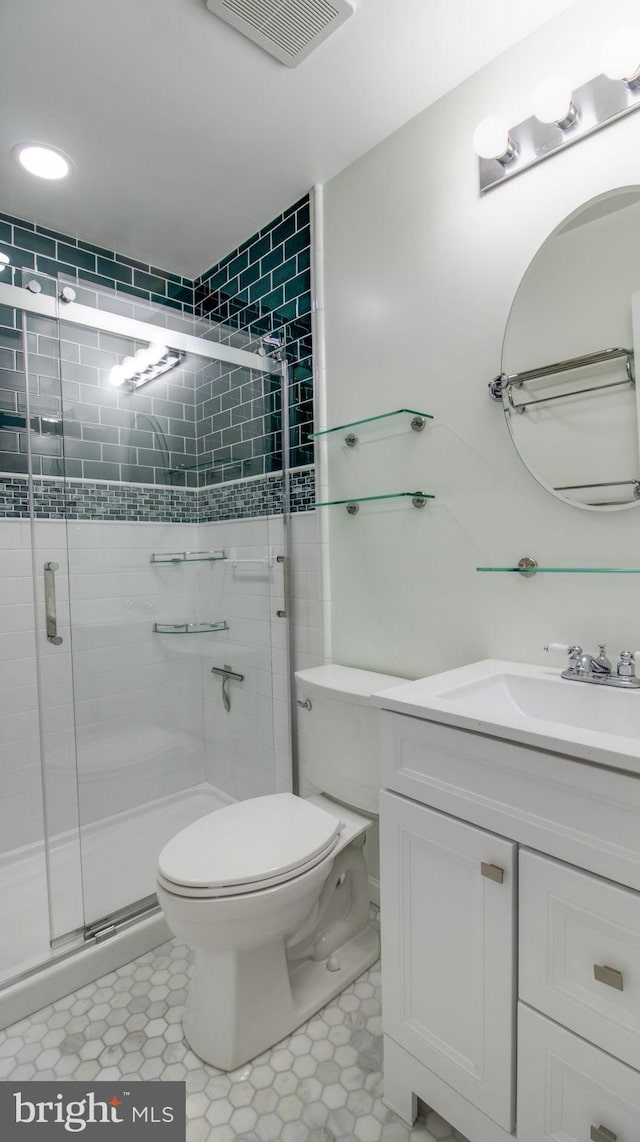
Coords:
pixel 529 704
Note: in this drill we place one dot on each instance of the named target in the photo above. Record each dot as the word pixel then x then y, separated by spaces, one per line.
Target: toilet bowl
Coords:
pixel 272 893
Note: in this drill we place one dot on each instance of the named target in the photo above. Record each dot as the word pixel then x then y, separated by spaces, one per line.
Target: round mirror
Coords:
pixel 568 381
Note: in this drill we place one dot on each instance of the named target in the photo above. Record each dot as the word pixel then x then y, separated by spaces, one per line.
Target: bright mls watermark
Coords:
pixel 138 1112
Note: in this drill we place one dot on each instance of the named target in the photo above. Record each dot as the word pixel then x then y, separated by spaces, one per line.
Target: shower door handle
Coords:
pixel 284 561
pixel 50 603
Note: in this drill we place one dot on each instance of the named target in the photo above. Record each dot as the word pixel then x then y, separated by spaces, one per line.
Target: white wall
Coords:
pixel 420 275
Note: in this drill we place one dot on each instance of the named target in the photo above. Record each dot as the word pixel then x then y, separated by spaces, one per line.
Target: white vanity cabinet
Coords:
pixel 510 906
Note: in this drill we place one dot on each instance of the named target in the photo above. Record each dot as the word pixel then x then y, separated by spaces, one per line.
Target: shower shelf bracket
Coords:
pixel 190 628
pixel 188 556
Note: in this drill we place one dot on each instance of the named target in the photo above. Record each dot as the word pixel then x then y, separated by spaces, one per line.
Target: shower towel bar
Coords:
pixel 190 628
pixel 506 382
pixel 188 556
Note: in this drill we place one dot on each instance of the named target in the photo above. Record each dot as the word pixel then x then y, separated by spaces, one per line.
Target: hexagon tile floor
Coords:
pixel 321 1084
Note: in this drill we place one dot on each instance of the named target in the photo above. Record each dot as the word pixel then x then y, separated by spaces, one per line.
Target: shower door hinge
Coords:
pixel 109 926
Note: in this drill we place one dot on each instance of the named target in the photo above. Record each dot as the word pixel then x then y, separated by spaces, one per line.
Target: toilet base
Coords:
pixel 241 1003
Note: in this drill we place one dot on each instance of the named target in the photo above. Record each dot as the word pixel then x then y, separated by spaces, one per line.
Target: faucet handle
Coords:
pixel 559 647
pixel 626 663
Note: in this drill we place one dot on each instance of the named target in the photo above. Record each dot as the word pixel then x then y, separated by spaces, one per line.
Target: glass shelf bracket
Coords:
pixel 417 423
pixel 418 499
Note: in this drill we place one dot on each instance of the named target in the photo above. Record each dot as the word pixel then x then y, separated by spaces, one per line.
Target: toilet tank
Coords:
pixel 339 752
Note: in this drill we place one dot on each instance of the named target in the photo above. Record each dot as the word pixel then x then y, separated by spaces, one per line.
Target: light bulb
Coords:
pixel 553 103
pixel 129 367
pixel 117 376
pixel 157 352
pixel 621 56
pixel 144 358
pixel 491 140
pixel 44 162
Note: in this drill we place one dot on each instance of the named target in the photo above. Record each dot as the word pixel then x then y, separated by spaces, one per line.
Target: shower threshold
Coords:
pixel 119 856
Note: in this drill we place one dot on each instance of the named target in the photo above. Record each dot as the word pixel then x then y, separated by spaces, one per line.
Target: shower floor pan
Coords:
pixel 119 856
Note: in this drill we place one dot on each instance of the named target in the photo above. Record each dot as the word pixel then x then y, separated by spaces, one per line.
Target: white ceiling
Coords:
pixel 187 138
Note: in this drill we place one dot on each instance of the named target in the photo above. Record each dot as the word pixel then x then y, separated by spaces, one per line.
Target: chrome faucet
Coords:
pixel 585 667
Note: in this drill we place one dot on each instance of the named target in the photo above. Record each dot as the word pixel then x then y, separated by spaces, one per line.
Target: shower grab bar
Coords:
pixel 50 603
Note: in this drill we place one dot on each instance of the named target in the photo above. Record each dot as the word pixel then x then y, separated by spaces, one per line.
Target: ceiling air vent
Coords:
pixel 288 29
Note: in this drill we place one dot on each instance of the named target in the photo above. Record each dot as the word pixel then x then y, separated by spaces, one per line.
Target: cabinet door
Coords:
pixel 569 1091
pixel 448 948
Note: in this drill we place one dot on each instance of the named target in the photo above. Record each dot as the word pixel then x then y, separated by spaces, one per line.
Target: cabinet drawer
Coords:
pixel 580 953
pixel 569 1091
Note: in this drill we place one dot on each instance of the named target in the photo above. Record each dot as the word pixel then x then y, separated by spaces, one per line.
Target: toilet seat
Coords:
pixel 248 846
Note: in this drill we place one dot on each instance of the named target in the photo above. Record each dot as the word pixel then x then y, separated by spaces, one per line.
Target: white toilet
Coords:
pixel 272 893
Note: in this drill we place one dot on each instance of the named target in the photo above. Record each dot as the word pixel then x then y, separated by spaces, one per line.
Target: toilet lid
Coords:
pixel 249 842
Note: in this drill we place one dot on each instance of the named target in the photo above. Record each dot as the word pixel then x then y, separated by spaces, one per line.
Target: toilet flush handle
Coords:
pixel 306 705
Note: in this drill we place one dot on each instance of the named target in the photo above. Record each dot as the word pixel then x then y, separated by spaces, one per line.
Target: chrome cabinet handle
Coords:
pixel 611 976
pixel 50 603
pixel 601 1134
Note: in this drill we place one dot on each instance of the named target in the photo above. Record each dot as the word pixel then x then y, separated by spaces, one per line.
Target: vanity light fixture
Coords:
pixel 42 161
pixel 145 366
pixel 562 116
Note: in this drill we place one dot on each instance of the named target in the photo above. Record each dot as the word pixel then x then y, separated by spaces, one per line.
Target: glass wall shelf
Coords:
pixel 188 556
pixel 418 499
pixel 190 628
pixel 563 570
pixel 418 421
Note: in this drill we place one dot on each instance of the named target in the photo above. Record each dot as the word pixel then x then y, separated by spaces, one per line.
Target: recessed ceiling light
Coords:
pixel 42 161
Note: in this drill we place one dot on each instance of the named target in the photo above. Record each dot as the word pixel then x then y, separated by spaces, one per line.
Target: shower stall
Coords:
pixel 145 651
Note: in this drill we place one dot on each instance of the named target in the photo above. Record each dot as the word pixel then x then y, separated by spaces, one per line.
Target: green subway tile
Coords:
pixel 298 285
pixel 273 259
pixel 304 304
pixel 273 299
pixel 98 280
pixel 288 312
pixel 133 263
pixel 249 276
pixel 284 273
pixel 36 243
pixel 283 231
pixel 48 266
pixel 260 288
pixel 114 270
pixel 5 232
pixel 132 291
pixel 150 282
pixel 258 249
pixel 16 221
pixel 297 243
pixel 304 259
pixel 179 292
pixel 55 234
pixel 232 287
pixel 82 259
pixel 100 250
pixel 238 264
pixel 165 274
